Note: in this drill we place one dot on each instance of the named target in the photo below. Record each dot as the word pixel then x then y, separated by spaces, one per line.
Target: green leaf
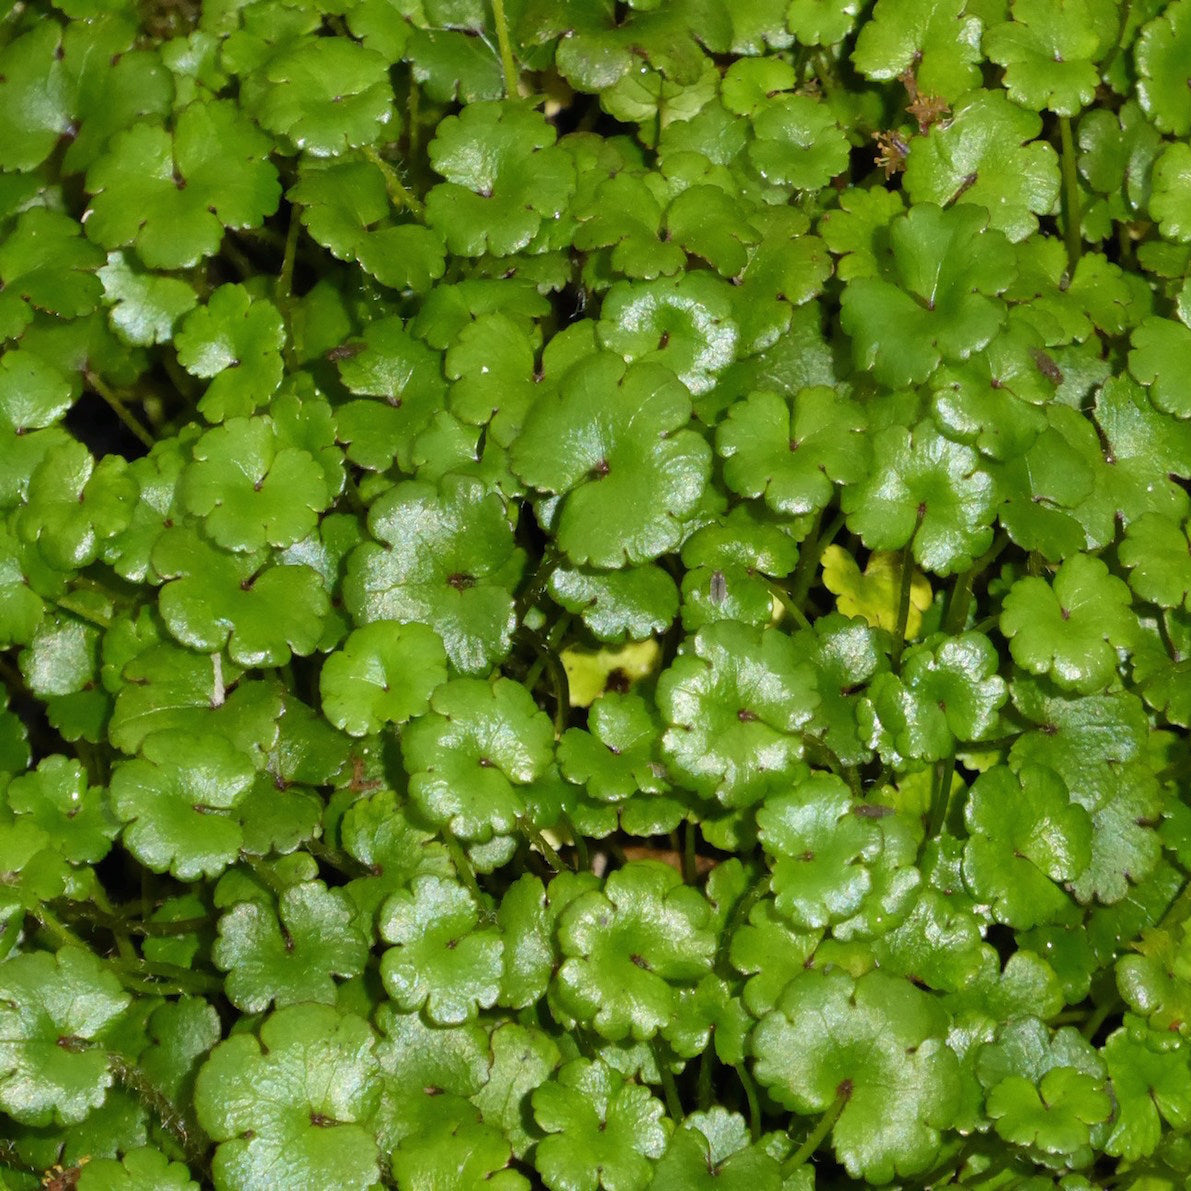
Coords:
pixel 943 695
pixel 504 177
pixel 1071 629
pixel 797 143
pixel 228 182
pixel 143 1169
pixel 174 800
pixel 1158 360
pixel 443 960
pixel 1154 980
pixel 735 702
pixel 1048 51
pixel 1056 1116
pixel 289 956
pixel 1025 838
pixel 793 453
pixel 73 815
pixel 626 605
pixel 630 471
pixel 35 99
pixel 936 39
pixel 45 265
pixel 522 1060
pixel 295 1106
pixel 144 308
pixel 212 600
pixel 75 505
pixel 926 489
pixel 1168 200
pixel 935 299
pixel 1157 553
pixel 471 758
pixel 448 561
pixel 627 947
pixel 1151 1084
pixel 987 154
pixel 323 95
pixel 601 1131
pixel 711 1151
pixel 56 1012
pixel 236 341
pixel 686 323
pixel 250 488
pixel 822 852
pixel 1161 56
pixel 385 673
pixel 834 1036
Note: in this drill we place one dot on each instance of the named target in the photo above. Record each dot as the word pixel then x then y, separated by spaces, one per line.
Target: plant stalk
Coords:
pixel 819 1133
pixel 117 406
pixel 508 64
pixel 1072 213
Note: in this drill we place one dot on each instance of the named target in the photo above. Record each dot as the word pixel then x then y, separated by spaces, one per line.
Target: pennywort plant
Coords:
pixel 595 594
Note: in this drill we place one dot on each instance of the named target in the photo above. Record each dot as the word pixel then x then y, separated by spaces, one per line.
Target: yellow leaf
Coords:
pixel 874 593
pixel 589 670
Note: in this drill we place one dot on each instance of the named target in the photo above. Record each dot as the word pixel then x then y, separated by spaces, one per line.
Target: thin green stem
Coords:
pixel 905 581
pixel 98 386
pixel 393 183
pixel 507 63
pixel 582 855
pixel 466 873
pixel 783 596
pixel 558 677
pixel 960 599
pixel 188 1136
pixel 285 284
pixel 183 978
pixel 754 1103
pixel 1099 1016
pixel 824 72
pixel 824 754
pixel 810 552
pixel 690 869
pixel 669 1087
pixel 1072 213
pixel 413 105
pixel 704 1090
pixel 941 781
pixel 67 604
pixel 819 1133
pixel 539 841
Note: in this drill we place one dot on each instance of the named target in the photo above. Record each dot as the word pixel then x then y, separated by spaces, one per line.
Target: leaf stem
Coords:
pixel 1098 1018
pixel 464 869
pixel 783 596
pixel 754 1103
pixel 1072 214
pixel 690 869
pixel 960 599
pixel 285 284
pixel 582 856
pixel 810 554
pixel 117 406
pixel 703 1089
pixel 539 841
pixel 189 1137
pixel 819 1133
pixel 396 188
pixel 507 62
pixel 941 781
pixel 669 1087
pixel 905 583
pixel 831 758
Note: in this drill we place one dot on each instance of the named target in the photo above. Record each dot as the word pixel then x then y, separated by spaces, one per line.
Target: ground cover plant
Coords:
pixel 595 594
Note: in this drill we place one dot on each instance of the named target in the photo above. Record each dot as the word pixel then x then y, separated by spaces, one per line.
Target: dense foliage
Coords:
pixel 595 594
